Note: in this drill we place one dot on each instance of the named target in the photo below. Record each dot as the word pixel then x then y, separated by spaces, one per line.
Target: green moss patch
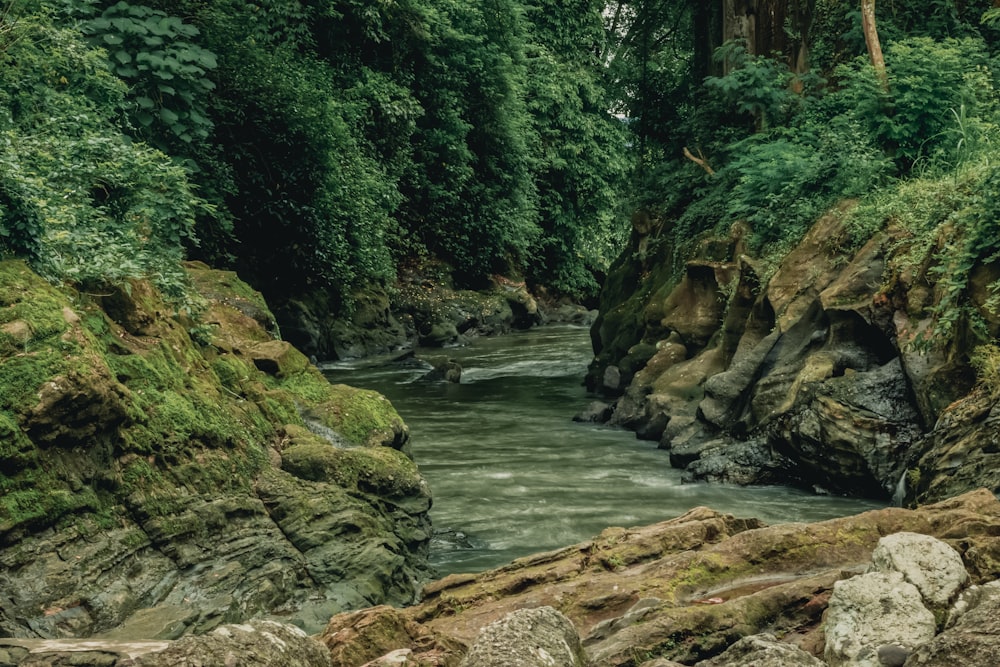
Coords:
pixel 377 470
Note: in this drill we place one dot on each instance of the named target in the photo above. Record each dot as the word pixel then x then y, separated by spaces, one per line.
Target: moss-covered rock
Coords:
pixel 148 445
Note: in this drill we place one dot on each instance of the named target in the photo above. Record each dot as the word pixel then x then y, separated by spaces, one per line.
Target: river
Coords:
pixel 512 474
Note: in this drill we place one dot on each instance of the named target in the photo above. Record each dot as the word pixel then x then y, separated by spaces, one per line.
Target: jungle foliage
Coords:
pixel 310 144
pixel 321 144
pixel 775 127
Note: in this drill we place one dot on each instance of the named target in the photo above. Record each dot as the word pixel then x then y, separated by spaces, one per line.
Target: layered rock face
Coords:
pixel 887 587
pixel 813 375
pixel 162 476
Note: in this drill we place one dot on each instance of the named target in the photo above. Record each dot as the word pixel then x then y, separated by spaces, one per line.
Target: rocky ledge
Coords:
pixel 162 475
pixel 887 587
pixel 425 308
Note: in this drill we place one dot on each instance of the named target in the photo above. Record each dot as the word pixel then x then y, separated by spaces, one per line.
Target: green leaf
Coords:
pixel 167 116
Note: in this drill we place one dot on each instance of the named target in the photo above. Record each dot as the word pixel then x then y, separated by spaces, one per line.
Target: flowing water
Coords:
pixel 512 474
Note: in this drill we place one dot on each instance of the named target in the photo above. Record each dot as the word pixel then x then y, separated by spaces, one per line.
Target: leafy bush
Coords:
pixel 929 81
pixel 77 197
pixel 166 73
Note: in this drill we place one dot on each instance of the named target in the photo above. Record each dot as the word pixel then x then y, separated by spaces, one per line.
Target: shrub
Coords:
pixel 81 200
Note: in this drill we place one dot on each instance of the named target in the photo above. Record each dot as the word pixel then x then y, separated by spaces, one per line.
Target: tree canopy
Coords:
pixel 321 144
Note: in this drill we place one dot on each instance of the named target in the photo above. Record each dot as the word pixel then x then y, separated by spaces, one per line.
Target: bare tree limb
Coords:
pixel 700 160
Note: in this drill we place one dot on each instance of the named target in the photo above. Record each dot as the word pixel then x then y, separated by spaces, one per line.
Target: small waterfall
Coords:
pixel 900 493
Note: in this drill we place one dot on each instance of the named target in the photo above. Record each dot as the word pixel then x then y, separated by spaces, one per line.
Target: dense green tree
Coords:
pixel 581 159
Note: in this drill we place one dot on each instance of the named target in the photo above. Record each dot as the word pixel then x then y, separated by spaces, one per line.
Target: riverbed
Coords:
pixel 512 474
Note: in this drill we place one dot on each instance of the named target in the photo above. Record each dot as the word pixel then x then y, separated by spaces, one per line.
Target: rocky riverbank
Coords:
pixel 163 475
pixel 688 589
pixel 423 308
pixel 914 587
pixel 820 371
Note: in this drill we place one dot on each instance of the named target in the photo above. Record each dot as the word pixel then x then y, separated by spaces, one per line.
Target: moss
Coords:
pixel 308 386
pixel 196 421
pixel 16 450
pixel 363 417
pixel 378 470
pixel 37 500
pixel 232 372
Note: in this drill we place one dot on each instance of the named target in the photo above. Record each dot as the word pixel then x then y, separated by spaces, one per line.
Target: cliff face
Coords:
pixel 811 374
pixel 161 477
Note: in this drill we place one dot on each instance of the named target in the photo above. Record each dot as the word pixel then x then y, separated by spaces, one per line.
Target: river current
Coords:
pixel 512 474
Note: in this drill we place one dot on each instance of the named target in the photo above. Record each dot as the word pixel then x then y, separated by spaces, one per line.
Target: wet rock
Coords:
pixel 444 371
pixel 612 380
pixel 935 568
pixel 729 461
pixel 962 450
pixel 596 412
pixel 527 638
pixel 892 655
pixel 762 650
pixel 871 610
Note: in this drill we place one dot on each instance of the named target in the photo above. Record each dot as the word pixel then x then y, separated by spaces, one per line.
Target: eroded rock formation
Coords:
pixel 811 375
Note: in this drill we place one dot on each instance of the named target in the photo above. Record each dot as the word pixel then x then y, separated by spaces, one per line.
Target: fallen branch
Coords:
pixel 700 161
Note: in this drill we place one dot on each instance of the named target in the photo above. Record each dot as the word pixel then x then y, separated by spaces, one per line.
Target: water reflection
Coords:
pixel 512 474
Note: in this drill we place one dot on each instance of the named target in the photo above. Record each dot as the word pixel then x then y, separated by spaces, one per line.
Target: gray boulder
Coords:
pixel 932 566
pixel 873 610
pixel 540 637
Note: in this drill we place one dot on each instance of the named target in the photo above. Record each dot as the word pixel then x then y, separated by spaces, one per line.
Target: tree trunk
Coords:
pixel 707 33
pixel 871 40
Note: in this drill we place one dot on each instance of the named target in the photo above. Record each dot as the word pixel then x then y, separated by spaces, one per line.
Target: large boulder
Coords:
pixel 935 568
pixel 972 635
pixel 527 638
pixel 871 611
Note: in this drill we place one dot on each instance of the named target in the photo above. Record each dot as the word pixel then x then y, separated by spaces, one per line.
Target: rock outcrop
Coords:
pixel 817 372
pixel 162 475
pixel 688 590
pixel 253 644
pixel 423 308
